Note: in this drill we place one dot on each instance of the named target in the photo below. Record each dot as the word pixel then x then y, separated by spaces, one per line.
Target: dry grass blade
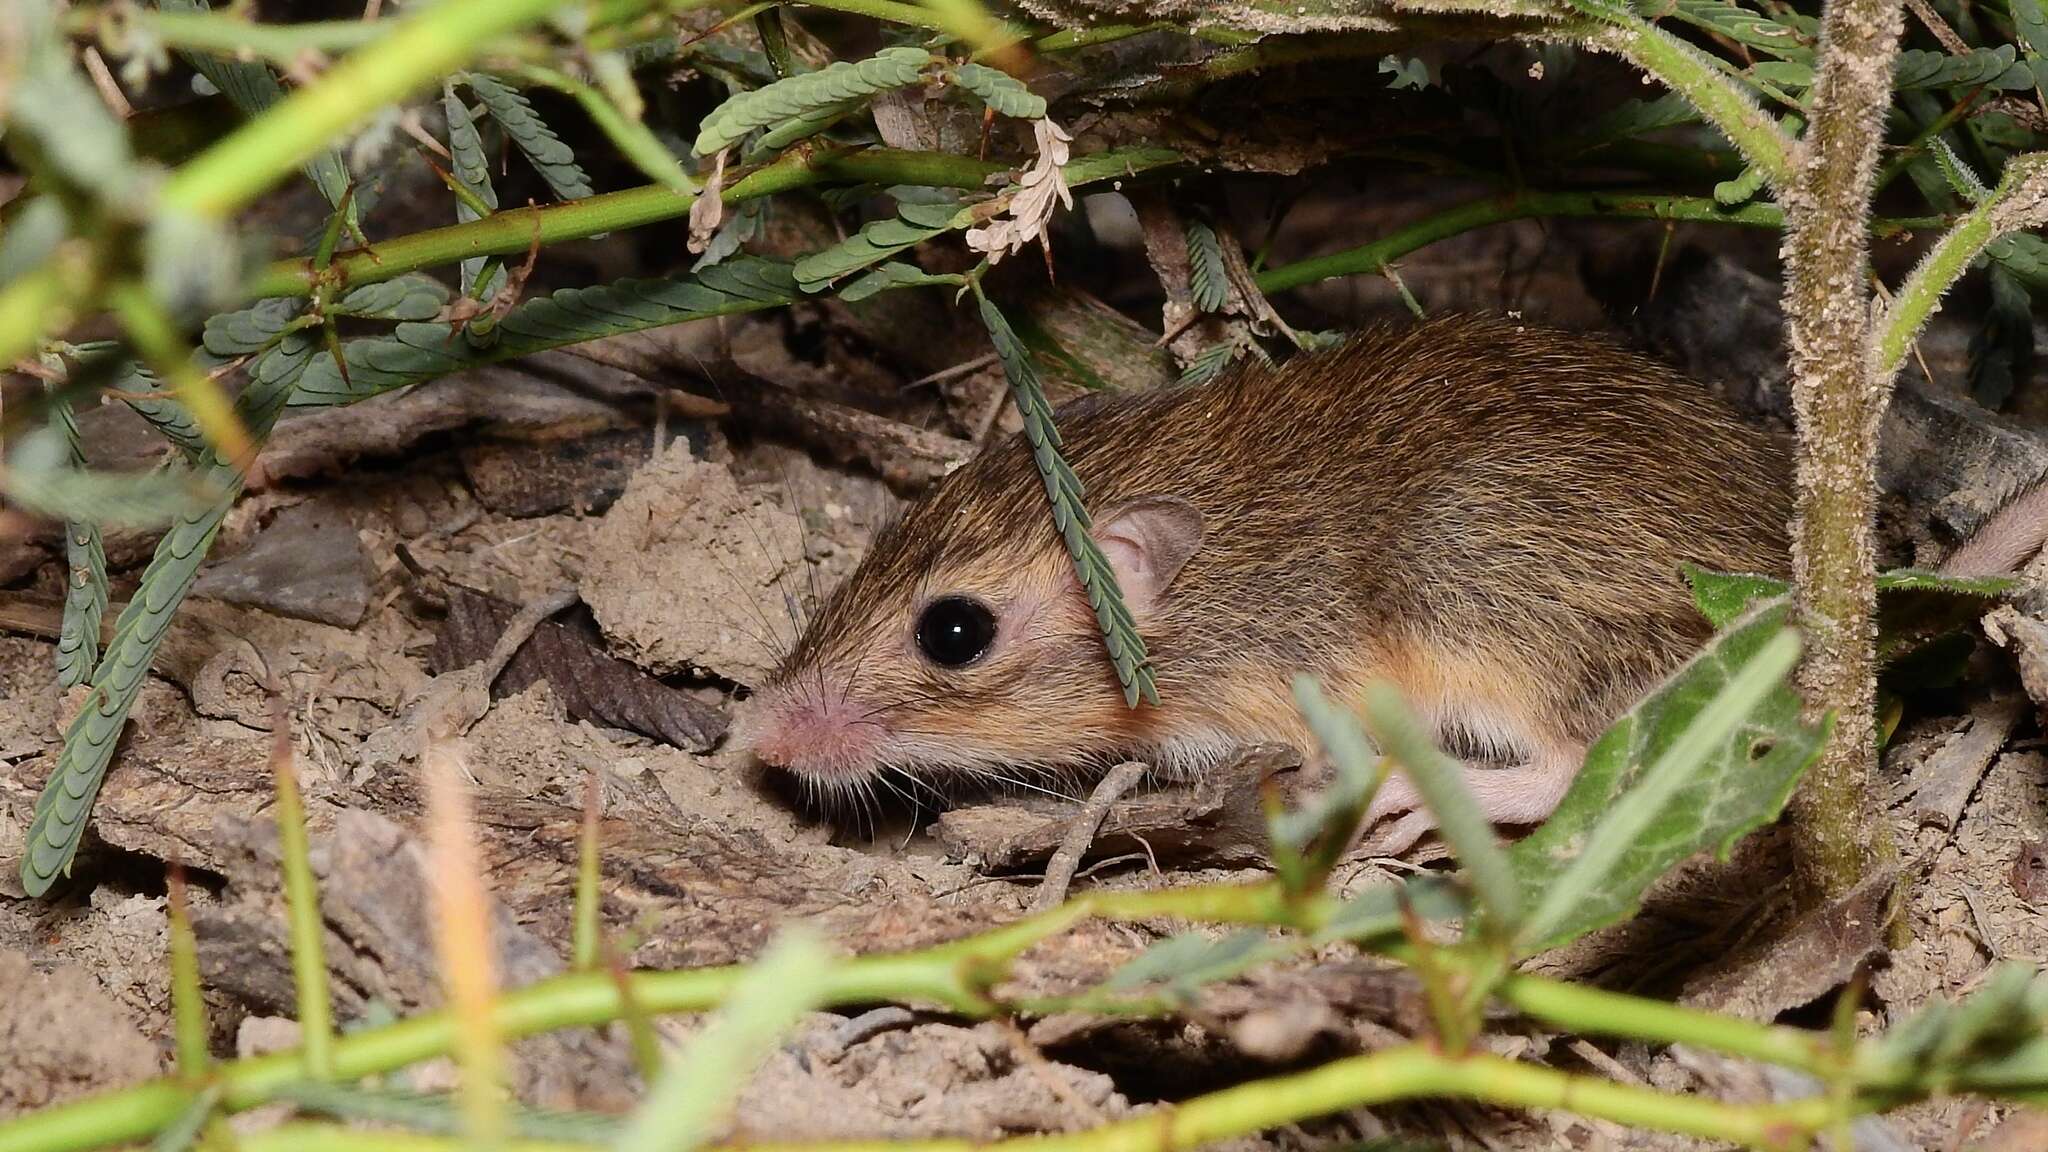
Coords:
pixel 463 941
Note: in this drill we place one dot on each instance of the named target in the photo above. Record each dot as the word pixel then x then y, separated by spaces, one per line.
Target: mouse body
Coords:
pixel 1490 515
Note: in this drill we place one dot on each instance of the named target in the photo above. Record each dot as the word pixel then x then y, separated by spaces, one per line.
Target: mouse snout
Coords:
pixel 808 731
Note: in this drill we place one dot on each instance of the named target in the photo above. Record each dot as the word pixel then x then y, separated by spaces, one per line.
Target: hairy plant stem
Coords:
pixel 1695 76
pixel 2020 201
pixel 1839 395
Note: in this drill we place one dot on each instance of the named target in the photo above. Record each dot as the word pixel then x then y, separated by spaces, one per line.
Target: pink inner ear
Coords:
pixel 1147 541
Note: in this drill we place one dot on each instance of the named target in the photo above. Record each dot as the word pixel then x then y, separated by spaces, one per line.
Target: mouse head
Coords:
pixel 964 644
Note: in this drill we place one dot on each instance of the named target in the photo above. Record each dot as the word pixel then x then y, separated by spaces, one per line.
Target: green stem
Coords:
pixel 188 1005
pixel 223 33
pixel 1840 831
pixel 1375 256
pixel 2024 186
pixel 427 43
pixel 1405 1073
pixel 955 977
pixel 952 977
pixel 1596 1011
pixel 302 911
pixel 513 230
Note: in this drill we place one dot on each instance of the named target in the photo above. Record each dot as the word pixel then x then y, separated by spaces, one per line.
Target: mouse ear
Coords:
pixel 1147 540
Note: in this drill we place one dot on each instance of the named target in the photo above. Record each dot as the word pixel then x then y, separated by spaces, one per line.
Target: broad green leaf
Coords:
pixel 1723 734
pixel 1722 596
pixel 1913 605
pixel 684 1105
pixel 1922 580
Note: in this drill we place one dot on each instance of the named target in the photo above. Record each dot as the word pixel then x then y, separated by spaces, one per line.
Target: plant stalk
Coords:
pixel 1405 1073
pixel 1839 396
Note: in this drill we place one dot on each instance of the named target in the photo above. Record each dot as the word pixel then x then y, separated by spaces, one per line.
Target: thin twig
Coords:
pixel 1059 872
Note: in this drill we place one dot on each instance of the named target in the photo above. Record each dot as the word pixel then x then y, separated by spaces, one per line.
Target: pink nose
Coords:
pixel 804 733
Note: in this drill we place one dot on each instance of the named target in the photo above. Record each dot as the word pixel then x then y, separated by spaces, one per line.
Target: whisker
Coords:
pixel 1017 783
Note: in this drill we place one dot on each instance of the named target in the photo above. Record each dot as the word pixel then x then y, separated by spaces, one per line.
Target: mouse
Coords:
pixel 1494 516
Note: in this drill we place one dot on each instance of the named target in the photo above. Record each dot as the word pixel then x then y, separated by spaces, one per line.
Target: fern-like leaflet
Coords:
pixel 814 98
pixel 66 800
pixel 1069 511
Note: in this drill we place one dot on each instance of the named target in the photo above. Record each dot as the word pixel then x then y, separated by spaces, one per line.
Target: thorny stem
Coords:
pixel 1839 396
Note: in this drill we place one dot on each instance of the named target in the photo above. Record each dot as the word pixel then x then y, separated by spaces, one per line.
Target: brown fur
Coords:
pixel 1493 516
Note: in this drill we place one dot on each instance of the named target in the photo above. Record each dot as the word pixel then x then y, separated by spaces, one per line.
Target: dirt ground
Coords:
pixel 390 542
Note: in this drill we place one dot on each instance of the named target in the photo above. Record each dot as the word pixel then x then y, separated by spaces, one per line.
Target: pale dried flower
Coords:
pixel 1042 187
pixel 709 210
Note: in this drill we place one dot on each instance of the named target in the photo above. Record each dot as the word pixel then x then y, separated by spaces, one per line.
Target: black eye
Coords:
pixel 954 631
